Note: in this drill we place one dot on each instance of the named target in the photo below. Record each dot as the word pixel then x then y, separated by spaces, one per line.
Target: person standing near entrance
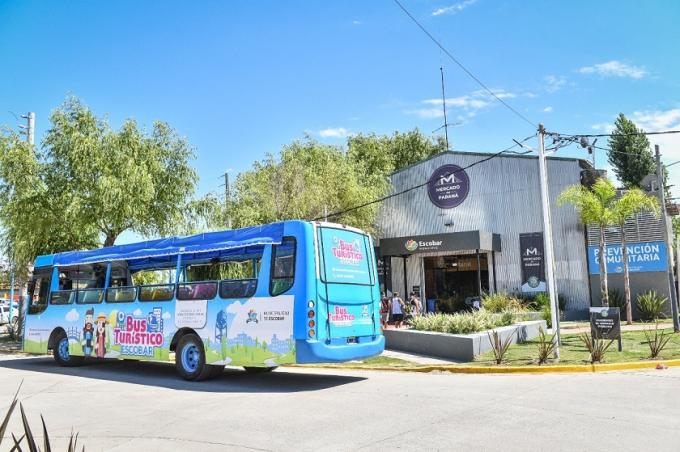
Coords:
pixel 414 305
pixel 397 310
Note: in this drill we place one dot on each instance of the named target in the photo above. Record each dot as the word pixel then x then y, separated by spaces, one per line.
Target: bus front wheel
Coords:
pixel 190 359
pixel 62 355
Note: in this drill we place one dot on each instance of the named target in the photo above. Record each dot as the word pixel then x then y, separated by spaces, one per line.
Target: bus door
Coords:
pixel 347 289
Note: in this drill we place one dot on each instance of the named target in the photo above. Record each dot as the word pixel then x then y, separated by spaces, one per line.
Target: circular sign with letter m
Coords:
pixel 448 186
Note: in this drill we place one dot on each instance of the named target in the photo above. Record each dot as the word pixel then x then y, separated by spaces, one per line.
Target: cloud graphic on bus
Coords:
pixel 137 312
pixel 72 315
pixel 166 315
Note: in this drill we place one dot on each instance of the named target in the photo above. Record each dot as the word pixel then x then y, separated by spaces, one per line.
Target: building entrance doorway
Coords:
pixel 450 280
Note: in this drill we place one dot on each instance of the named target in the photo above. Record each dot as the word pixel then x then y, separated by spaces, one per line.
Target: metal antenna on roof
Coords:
pixel 446 125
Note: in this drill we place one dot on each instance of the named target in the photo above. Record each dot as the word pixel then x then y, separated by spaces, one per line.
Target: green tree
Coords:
pixel 595 207
pixel 305 181
pixel 88 183
pixel 630 155
pixel 383 155
pixel 633 202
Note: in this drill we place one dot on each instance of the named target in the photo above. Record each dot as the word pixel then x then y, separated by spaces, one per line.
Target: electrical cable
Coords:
pixel 564 135
pixel 415 187
pixel 460 65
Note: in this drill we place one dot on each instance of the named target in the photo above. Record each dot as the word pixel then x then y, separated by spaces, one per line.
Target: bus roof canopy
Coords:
pixel 209 244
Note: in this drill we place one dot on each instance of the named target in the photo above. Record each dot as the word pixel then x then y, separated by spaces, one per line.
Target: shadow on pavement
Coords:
pixel 164 375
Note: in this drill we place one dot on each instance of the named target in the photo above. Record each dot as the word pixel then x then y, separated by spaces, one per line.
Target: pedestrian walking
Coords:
pixel 397 308
pixel 414 304
pixel 384 310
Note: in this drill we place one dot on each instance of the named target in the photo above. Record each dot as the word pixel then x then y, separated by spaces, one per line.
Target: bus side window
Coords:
pixel 38 292
pixel 283 267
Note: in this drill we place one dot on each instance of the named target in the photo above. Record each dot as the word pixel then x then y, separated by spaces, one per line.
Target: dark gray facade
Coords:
pixel 501 202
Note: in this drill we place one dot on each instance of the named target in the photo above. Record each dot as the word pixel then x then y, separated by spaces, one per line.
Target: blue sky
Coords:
pixel 240 79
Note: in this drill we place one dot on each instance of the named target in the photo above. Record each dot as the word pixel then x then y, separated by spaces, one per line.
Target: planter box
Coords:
pixel 457 347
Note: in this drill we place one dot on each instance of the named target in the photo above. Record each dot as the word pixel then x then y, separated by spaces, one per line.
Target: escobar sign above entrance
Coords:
pixel 448 186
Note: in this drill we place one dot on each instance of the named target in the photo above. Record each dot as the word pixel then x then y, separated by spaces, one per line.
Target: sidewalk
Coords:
pixel 418 359
pixel 584 326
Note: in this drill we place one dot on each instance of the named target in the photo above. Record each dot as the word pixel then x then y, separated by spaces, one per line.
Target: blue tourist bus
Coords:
pixel 257 297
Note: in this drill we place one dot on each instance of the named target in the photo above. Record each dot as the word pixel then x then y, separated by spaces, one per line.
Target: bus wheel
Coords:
pixel 62 355
pixel 259 370
pixel 190 359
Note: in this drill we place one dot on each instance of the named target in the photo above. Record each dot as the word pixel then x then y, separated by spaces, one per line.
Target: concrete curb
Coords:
pixel 573 368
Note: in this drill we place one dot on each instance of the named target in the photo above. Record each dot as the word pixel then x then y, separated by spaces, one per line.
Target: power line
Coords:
pixel 393 195
pixel 664 132
pixel 470 74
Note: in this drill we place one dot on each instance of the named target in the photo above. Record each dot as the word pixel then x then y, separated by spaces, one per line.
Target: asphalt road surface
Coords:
pixel 121 406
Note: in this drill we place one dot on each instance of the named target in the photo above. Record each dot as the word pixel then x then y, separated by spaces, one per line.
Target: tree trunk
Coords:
pixel 626 276
pixel 603 270
pixel 110 238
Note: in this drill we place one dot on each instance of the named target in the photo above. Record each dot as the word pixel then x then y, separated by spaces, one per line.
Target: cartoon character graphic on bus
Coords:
pixel 88 332
pixel 101 335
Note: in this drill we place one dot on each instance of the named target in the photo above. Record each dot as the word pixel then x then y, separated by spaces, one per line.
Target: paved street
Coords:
pixel 124 406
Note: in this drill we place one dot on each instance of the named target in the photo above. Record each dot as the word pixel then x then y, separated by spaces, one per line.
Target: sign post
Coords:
pixel 533 262
pixel 605 323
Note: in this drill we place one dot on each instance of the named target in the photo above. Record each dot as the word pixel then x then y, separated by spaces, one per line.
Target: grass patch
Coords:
pixel 573 351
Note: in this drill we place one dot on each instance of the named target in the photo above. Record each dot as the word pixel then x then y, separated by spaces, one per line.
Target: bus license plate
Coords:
pixel 352 340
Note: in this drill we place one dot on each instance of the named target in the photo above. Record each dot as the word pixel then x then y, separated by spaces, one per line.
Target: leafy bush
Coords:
pixel 656 340
pixel 462 322
pixel 546 346
pixel 596 347
pixel 501 302
pixel 616 299
pixel 651 305
pixel 499 346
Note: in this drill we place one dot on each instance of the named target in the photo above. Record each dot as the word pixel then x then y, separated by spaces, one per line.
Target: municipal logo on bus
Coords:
pixel 411 245
pixel 252 316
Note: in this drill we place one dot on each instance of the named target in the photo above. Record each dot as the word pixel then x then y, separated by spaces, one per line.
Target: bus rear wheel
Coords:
pixel 62 355
pixel 190 360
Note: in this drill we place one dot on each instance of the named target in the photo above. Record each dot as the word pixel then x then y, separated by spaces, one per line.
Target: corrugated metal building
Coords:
pixel 461 232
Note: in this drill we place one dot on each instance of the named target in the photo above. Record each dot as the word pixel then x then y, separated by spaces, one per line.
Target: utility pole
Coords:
pixel 661 186
pixel 29 131
pixel 227 198
pixel 547 240
pixel 29 128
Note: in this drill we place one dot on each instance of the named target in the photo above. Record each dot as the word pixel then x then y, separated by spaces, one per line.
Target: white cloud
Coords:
pixel 615 69
pixel 453 9
pixel 337 132
pixel 166 315
pixel 356 22
pixel 555 82
pixel 604 127
pixel 655 121
pixel 548 109
pixel 669 145
pixel 470 104
pixel 72 315
pixel 137 312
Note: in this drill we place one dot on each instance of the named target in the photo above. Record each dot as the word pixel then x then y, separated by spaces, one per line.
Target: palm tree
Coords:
pixel 595 207
pixel 633 202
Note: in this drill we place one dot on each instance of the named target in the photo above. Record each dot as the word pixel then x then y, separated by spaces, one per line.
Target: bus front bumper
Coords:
pixel 336 351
